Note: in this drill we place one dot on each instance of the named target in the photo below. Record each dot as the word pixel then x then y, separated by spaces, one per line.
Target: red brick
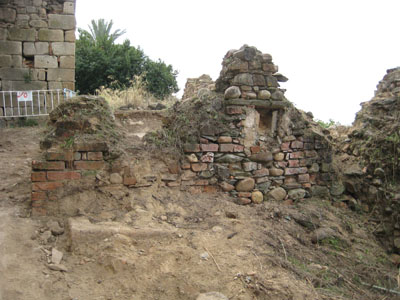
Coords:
pixel 304 178
pixel 297 155
pixel 38 176
pixel 285 146
pixel 191 148
pixel 209 147
pixel 234 110
pixel 38 196
pixel 296 145
pixel 129 180
pixel 255 149
pixel 294 163
pixel 46 186
pixel 95 156
pixel 198 167
pixel 48 165
pixel 185 166
pixel 225 140
pixel 226 147
pixel 93 147
pixel 238 148
pixel 294 171
pixel 70 175
pixel 88 165
pixel 60 156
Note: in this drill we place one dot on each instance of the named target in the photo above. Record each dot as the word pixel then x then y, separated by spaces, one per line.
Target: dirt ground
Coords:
pixel 171 244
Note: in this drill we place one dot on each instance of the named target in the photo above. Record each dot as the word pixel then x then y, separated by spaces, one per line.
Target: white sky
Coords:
pixel 334 52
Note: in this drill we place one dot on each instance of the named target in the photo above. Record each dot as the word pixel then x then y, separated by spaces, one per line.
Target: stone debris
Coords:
pixel 212 296
pixel 56 256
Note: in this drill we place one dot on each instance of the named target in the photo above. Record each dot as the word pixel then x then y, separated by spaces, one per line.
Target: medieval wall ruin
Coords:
pixel 37 45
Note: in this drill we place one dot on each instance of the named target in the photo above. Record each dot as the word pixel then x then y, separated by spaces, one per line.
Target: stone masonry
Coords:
pixel 37 45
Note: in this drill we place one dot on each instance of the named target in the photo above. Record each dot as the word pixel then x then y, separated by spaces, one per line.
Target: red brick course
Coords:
pixel 68 175
pixel 38 176
pixel 88 165
pixel 48 165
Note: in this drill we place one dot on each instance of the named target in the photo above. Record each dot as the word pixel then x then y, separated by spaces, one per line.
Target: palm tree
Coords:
pixel 100 32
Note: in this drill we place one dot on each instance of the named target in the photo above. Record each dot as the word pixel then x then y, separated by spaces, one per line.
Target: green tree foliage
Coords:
pixel 101 62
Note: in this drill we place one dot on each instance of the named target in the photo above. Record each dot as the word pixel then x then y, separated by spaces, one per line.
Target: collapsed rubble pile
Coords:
pixel 369 158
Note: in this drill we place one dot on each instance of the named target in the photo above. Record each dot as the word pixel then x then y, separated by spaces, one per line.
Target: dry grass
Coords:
pixel 133 97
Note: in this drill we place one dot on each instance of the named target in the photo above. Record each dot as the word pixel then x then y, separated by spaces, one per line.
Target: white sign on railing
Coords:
pixel 24 96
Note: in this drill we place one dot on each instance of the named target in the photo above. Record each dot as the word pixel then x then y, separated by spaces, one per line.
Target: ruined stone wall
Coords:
pixel 37 45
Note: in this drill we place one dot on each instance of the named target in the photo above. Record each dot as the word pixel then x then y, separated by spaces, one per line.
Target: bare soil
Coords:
pixel 179 243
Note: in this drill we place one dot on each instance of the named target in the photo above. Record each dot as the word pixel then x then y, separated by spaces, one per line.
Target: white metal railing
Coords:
pixel 14 104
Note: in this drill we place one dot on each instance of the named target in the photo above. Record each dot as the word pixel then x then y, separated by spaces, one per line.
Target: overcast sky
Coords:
pixel 333 52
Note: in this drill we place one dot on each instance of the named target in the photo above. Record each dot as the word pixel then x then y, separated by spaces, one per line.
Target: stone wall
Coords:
pixel 37 45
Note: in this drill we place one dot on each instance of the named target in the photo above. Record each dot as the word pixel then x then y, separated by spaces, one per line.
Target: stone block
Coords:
pixel 37 2
pixel 51 35
pixel 23 17
pixel 7 15
pixel 54 85
pixel 45 61
pixel 5 61
pixel 69 8
pixel 23 24
pixel 40 75
pixel 69 36
pixel 198 167
pixel 23 86
pixel 63 48
pixel 31 9
pixel 3 34
pixel 38 48
pixel 16 61
pixel 38 24
pixel 61 75
pixel 65 22
pixel 20 34
pixel 14 73
pixel 9 47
